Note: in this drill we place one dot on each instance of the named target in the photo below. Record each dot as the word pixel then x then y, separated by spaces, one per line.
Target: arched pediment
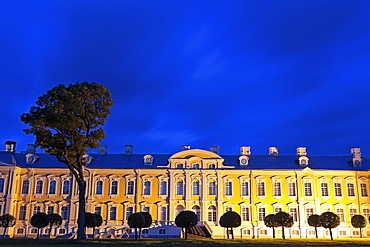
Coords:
pixel 192 153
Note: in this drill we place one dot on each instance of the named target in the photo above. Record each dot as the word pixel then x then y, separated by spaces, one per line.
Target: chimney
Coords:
pixel 273 151
pixel 128 149
pixel 356 152
pixel 31 149
pixel 10 146
pixel 301 151
pixel 245 150
pixel 185 147
pixel 215 149
pixel 102 149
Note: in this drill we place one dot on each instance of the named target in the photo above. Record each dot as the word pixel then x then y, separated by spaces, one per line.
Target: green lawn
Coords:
pixel 189 242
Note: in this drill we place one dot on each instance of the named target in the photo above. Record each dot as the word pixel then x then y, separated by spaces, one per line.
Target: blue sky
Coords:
pixel 199 73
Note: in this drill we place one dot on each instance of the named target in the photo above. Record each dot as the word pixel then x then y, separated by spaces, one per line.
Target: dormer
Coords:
pixel 273 151
pixel 356 157
pixel 31 159
pixel 103 149
pixel 301 151
pixel 245 150
pixel 10 146
pixel 243 160
pixel 148 160
pixel 87 159
pixel 303 159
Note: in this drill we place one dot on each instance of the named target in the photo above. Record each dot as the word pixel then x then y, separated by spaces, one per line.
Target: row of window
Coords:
pixel 64 211
pixel 39 187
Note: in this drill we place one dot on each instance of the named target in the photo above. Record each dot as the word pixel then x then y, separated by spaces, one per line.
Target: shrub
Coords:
pixel 230 219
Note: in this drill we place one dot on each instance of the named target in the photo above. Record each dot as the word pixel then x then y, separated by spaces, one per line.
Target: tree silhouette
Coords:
pixel 284 220
pixel 186 219
pixel 66 122
pixel 39 220
pixel 148 221
pixel 359 221
pixel 270 221
pixel 54 219
pixel 7 220
pixel 230 220
pixel 93 220
pixel 136 220
pixel 315 221
pixel 329 220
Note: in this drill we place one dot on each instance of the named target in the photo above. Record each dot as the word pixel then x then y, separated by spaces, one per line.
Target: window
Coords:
pixel 130 187
pixel 228 208
pixel 62 231
pixel 39 185
pixel 196 188
pixel 2 181
pixel 162 231
pixel 293 213
pixel 163 213
pixel 228 189
pixel 277 210
pixel 114 188
pixel 366 212
pixel 307 189
pixel 245 214
pixel 309 212
pixel 277 188
pixel 146 189
pixel 25 186
pixel 260 189
pixel 22 212
pixel 295 232
pixel 356 233
pixel 351 189
pixel 50 209
pixel 212 188
pixel 129 211
pixel 180 187
pixel 342 233
pixel 34 230
pixel 52 187
pixel 291 189
pixel 263 232
pixel 98 210
pixel 180 166
pixel 99 188
pixel 245 189
pixel 211 166
pixel 324 189
pixel 36 209
pixel 352 212
pixel 261 214
pixel 145 231
pixel 66 186
pixel 363 189
pixel 163 188
pixel 146 209
pixel 340 213
pixel 196 166
pixel 196 210
pixel 112 213
pixel 20 231
pixel 337 189
pixel 212 214
pixel 65 213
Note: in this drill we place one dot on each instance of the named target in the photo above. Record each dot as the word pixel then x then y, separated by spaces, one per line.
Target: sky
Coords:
pixel 199 73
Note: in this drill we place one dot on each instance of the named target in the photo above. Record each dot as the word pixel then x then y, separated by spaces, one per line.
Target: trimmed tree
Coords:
pixel 54 219
pixel 136 220
pixel 148 221
pixel 39 220
pixel 329 220
pixel 93 220
pixel 230 220
pixel 186 219
pixel 359 221
pixel 315 221
pixel 283 219
pixel 270 221
pixel 66 122
pixel 7 220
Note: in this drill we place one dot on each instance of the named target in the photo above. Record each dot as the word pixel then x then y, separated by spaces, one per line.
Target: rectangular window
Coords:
pixel 212 188
pixel 65 189
pixel 65 213
pixel 309 212
pixel 179 188
pixel 337 189
pixel 277 210
pixel 163 188
pixel 196 188
pixel 146 209
pixel 146 189
pixel 340 213
pixel 228 189
pixel 293 213
pixel 324 189
pixel 130 187
pixel 50 209
pixel 351 189
pixel 22 212
pixel 260 189
pixel 114 188
pixel 363 189
pixel 366 212
pixel 99 188
pixel 245 189
pixel 98 210
pixel 129 211
pixel 277 189
pixel 245 214
pixel 25 186
pixel 307 189
pixel 291 189
pixel 36 209
pixel 261 214
pixel 2 181
pixel 163 213
pixel 352 212
pixel 52 187
pixel 112 213
pixel 39 185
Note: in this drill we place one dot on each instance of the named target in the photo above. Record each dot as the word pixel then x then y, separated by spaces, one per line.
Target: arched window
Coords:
pixel 211 166
pixel 66 186
pixel 228 189
pixel 52 187
pixel 180 165
pixel 180 187
pixel 178 209
pixel 212 214
pixel 212 188
pixel 196 166
pixel 25 186
pixel 130 187
pixel 146 189
pixel 39 185
pixel 196 210
pixel 163 188
pixel 196 187
pixel 99 188
pixel 114 188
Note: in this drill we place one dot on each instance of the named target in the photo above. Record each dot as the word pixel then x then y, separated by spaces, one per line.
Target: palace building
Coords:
pixel 206 182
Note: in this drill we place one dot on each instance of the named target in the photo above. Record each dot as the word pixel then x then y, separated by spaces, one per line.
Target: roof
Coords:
pixel 122 161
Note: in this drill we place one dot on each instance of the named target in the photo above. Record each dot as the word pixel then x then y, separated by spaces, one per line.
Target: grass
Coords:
pixel 182 242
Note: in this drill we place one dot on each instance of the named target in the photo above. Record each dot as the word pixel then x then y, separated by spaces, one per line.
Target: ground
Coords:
pixel 189 242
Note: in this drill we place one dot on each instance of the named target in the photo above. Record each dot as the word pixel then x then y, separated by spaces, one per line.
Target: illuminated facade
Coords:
pixel 193 179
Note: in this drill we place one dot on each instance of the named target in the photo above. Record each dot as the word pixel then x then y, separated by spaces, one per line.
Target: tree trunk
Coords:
pixel 139 233
pixel 93 235
pixel 273 232
pixel 4 231
pixel 81 208
pixel 283 233
pixel 186 233
pixel 232 232
pixel 227 232
pixel 38 233
pixel 135 233
pixel 331 234
pixel 360 232
pixel 317 236
pixel 51 225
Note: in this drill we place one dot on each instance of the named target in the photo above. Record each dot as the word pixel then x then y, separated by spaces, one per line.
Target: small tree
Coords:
pixel 148 221
pixel 186 219
pixel 330 220
pixel 283 219
pixel 230 220
pixel 54 219
pixel 315 221
pixel 136 220
pixel 270 221
pixel 7 220
pixel 39 220
pixel 93 220
pixel 359 221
